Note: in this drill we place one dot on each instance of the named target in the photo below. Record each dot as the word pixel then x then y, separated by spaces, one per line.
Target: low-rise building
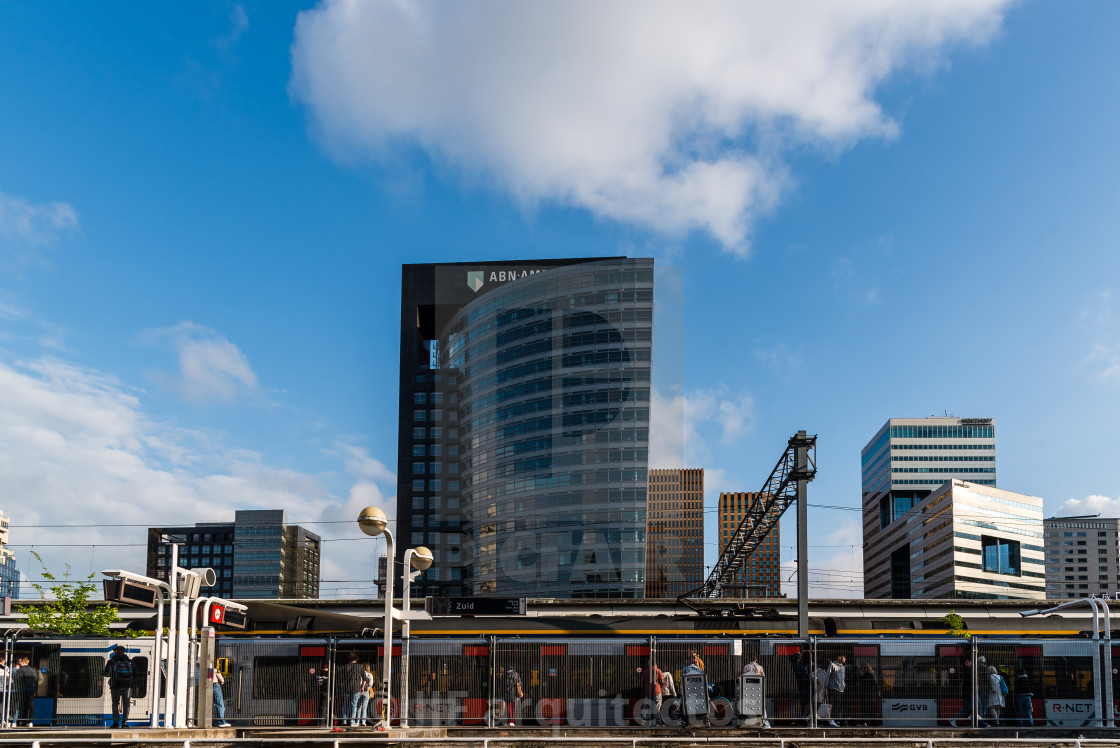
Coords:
pixel 1082 556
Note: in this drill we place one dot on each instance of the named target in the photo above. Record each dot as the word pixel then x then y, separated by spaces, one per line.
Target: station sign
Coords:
pixel 909 712
pixel 475 606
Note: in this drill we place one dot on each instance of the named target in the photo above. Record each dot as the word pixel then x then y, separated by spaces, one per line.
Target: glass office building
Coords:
pixel 524 425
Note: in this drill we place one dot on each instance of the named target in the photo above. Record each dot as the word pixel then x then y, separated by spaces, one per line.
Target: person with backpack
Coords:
pixel 119 671
pixel 511 691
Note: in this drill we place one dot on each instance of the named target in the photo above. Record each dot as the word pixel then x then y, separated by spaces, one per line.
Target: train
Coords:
pixel 893 680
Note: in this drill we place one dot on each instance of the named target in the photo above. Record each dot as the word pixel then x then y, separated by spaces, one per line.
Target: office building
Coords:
pixel 258 555
pixel 961 541
pixel 910 457
pixel 524 425
pixel 9 573
pixel 675 532
pixel 1082 556
pixel 761 574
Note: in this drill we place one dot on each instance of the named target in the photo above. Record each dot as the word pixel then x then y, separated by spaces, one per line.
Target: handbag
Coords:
pixel 824 711
pixel 520 694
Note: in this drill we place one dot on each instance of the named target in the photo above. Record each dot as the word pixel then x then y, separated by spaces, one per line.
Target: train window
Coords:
pixel 139 677
pixel 79 677
pixel 273 676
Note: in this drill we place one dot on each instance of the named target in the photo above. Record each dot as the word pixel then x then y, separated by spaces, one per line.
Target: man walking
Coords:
pixel 119 671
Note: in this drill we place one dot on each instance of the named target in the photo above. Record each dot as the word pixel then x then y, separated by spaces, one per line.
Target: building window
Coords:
pixel 420 398
pixel 419 415
pixel 1000 556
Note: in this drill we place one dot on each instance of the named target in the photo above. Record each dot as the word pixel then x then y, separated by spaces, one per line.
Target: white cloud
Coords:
pixel 239 24
pixel 210 367
pixel 76 448
pixel 679 424
pixel 1095 504
pixel 671 116
pixel 1103 363
pixel 35 224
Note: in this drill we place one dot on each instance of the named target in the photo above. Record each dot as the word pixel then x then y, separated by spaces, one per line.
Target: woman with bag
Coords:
pixel 994 694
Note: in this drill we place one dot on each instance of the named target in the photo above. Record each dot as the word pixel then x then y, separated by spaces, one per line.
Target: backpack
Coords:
pixel 121 672
pixel 1003 686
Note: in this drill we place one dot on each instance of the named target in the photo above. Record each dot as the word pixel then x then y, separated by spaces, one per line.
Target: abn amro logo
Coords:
pixel 474 279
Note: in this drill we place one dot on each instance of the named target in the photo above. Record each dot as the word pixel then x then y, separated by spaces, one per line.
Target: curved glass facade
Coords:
pixel 545 379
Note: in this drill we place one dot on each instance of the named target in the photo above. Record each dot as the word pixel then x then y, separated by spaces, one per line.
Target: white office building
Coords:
pixel 1082 556
pixel 924 480
pixel 962 541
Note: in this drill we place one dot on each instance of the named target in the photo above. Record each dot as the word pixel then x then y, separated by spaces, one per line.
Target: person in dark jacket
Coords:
pixel 870 697
pixel 350 683
pixel 800 665
pixel 26 684
pixel 119 671
pixel 1024 697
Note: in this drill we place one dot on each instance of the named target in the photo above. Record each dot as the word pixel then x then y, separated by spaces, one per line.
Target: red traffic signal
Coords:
pixel 217 613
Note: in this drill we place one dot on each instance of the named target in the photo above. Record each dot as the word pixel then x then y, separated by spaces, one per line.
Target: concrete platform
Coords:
pixel 572 737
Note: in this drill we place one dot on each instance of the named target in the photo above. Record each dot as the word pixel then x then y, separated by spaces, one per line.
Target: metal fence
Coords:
pixel 876 681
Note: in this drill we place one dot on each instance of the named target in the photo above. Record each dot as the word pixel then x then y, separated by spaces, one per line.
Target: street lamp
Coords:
pixel 1093 602
pixel 373 522
pixel 420 559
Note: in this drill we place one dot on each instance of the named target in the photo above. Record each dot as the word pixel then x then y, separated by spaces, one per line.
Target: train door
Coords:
pixel 370 654
pixel 275 681
pixel 36 702
pixel 954 679
pixel 448 682
pixel 788 691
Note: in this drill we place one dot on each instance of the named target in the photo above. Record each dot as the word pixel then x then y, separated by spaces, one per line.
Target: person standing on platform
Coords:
pixel 119 671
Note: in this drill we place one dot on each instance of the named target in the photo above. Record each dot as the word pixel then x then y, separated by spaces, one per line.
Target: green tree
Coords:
pixel 67 611
pixel 955 624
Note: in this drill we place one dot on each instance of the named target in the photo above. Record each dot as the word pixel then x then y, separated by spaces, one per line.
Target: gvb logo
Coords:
pixel 901 707
pixel 475 279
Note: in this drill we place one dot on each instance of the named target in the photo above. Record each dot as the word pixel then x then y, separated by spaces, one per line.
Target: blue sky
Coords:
pixel 873 210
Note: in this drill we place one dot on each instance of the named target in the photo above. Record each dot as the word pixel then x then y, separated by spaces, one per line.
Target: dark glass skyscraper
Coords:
pixel 524 425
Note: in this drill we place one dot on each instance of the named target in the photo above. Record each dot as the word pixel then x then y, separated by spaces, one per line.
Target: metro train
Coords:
pixel 280 681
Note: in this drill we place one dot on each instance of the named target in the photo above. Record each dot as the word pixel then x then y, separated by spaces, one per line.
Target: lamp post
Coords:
pixel 419 559
pixel 373 522
pixel 1093 603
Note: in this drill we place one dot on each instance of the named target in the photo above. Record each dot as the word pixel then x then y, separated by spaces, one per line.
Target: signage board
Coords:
pixel 909 712
pixel 475 606
pixel 1070 712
